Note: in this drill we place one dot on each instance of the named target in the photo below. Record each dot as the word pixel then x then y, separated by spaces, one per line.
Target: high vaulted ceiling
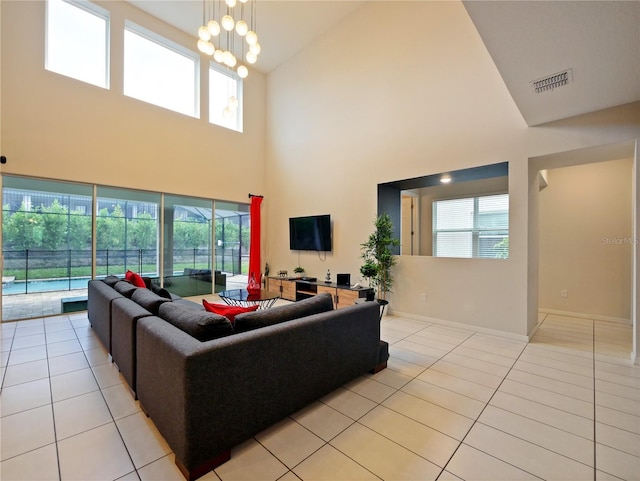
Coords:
pixel 285 26
pixel 529 40
pixel 599 41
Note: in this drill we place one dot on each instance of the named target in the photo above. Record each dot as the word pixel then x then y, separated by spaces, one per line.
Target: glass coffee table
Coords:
pixel 241 297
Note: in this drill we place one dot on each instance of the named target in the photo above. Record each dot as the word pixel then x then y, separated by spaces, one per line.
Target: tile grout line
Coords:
pixel 595 441
pixel 53 411
pixel 475 421
pixel 115 424
pixel 460 343
pixel 4 372
pixel 56 440
pixel 377 405
pixel 325 442
pixel 396 389
pixel 356 421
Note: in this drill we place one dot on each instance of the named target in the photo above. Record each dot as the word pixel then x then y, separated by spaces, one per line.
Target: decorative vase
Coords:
pixel 253 287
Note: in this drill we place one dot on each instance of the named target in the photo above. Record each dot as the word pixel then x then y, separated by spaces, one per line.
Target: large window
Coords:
pixel 77 41
pixel 160 72
pixel 225 99
pixel 187 245
pixel 471 227
pixel 49 230
pixel 233 229
pixel 156 70
pixel 46 235
pixel 127 232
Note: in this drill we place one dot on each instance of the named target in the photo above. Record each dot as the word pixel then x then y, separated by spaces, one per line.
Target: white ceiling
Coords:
pixel 284 26
pixel 528 40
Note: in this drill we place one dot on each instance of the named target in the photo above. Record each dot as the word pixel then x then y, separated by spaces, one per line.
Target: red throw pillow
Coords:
pixel 135 279
pixel 230 312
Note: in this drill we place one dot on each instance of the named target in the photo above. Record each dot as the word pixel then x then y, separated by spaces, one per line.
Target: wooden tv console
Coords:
pixel 295 289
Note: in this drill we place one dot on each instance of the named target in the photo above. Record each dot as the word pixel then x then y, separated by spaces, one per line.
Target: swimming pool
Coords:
pixel 44 285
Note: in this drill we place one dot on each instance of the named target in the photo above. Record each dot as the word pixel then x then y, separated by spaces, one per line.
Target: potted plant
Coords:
pixel 378 256
pixel 369 271
pixel 299 271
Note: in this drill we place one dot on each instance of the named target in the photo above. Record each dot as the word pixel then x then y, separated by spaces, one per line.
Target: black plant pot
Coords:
pixel 370 295
pixel 383 303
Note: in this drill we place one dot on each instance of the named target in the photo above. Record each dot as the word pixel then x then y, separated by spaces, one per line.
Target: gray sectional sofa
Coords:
pixel 208 384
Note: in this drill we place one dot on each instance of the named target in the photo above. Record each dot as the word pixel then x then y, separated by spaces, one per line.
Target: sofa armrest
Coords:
pixel 124 317
pixel 99 299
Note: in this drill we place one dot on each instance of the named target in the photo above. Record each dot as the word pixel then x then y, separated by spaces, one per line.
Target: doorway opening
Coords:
pixel 582 205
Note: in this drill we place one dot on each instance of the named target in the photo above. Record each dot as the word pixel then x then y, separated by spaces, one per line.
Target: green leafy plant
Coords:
pixel 378 256
pixel 369 270
pixel 298 270
pixel 502 249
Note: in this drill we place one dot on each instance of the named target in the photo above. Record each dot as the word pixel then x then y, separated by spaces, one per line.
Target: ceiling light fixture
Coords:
pixel 445 179
pixel 228 33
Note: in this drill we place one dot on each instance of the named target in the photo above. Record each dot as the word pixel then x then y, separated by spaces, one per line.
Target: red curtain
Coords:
pixel 254 250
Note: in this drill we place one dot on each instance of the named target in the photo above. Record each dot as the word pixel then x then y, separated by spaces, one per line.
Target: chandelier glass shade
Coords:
pixel 228 33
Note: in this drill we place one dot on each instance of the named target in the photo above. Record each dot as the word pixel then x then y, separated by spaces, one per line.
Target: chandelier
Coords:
pixel 228 33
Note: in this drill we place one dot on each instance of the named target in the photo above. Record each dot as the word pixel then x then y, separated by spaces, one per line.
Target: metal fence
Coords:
pixel 68 269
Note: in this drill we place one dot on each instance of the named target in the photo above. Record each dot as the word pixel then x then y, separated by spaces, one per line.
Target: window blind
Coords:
pixel 471 227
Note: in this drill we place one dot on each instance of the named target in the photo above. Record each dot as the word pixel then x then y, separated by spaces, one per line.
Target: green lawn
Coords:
pixel 85 271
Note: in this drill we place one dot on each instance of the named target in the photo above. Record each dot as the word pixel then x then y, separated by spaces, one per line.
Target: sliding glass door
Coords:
pixel 57 236
pixel 188 269
pixel 46 244
pixel 233 229
pixel 127 223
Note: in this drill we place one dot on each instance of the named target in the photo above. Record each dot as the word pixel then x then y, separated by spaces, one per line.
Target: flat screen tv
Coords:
pixel 311 233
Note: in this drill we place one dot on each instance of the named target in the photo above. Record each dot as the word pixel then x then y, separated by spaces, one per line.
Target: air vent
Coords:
pixel 547 84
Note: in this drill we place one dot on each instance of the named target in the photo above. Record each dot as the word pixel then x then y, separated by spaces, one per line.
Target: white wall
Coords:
pixel 586 240
pixel 354 109
pixel 357 108
pixel 59 128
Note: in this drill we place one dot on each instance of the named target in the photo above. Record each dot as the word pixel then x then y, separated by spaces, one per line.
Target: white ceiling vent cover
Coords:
pixel 547 84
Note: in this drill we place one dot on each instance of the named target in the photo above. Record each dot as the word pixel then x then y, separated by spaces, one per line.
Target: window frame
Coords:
pixel 239 124
pixel 168 44
pixel 96 11
pixel 476 231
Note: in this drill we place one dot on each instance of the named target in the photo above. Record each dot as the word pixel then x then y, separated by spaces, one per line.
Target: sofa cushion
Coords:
pixel 307 307
pixel 149 300
pixel 135 279
pixel 230 312
pixel 160 291
pixel 125 288
pixel 201 325
pixel 111 280
pixel 189 304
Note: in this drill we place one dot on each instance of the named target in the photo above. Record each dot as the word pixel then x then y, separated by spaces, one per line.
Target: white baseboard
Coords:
pixel 460 325
pixel 582 315
pixel 533 331
pixel 508 335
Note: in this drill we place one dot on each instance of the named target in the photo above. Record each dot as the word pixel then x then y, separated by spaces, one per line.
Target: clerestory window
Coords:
pixel 225 98
pixel 160 72
pixel 77 41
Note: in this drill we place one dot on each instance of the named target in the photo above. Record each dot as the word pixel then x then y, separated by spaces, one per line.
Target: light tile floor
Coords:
pixel 452 405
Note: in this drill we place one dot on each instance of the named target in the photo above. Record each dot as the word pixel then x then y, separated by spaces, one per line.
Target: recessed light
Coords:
pixel 445 179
